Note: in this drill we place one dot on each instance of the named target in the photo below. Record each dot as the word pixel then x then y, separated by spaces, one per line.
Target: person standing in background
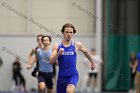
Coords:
pixel 93 75
pixel 17 76
pixel 132 61
pixel 1 62
pixel 136 69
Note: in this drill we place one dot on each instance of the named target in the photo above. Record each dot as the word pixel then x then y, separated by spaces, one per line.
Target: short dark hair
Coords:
pixel 40 35
pixel 68 25
pixel 46 36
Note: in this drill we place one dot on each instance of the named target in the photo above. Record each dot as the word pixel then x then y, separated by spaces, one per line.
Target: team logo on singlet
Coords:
pixel 68 53
pixel 46 60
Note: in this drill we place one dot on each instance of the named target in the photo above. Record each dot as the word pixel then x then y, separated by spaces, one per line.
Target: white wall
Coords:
pixel 15 15
pixel 12 45
pixel 9 21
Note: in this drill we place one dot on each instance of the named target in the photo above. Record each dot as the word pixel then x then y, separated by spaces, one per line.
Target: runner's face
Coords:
pixel 68 33
pixel 39 41
pixel 46 41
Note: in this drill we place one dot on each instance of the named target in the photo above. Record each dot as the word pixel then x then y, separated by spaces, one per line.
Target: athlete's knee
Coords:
pixel 70 88
pixel 41 86
pixel 70 91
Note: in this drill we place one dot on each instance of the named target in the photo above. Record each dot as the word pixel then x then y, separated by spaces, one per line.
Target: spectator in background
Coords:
pixel 93 75
pixel 17 76
pixel 132 61
pixel 136 69
pixel 1 62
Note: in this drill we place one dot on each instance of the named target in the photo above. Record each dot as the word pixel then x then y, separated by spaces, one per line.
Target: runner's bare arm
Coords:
pixel 82 48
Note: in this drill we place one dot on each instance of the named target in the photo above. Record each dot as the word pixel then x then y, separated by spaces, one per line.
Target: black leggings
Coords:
pixel 19 80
